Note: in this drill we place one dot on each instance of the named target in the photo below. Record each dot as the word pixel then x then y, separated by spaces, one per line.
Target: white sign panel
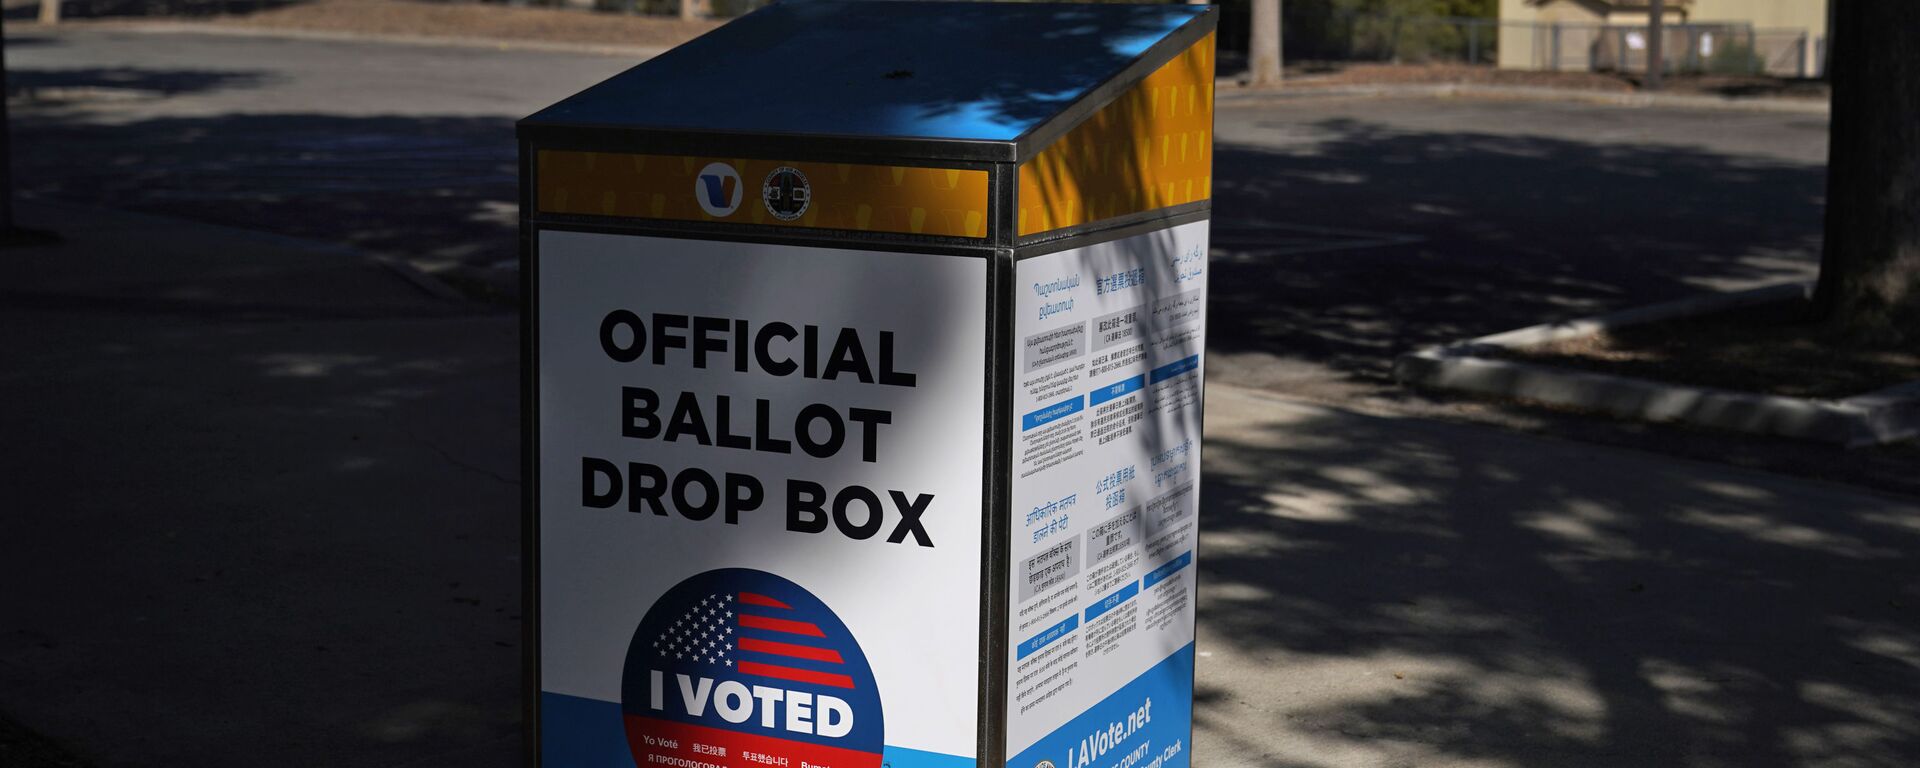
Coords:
pixel 760 504
pixel 1106 472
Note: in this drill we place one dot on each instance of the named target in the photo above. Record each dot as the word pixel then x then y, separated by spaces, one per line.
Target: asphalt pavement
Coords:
pixel 267 507
pixel 263 503
pixel 1385 591
pixel 403 150
pixel 266 512
pixel 1348 229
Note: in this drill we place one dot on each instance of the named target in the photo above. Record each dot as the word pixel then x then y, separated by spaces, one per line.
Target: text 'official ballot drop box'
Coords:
pixel 863 351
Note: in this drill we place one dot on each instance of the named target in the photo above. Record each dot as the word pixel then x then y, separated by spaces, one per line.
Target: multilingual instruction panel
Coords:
pixel 1106 470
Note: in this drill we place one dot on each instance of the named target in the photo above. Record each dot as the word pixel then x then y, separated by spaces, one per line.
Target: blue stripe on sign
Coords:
pixel 1168 568
pixel 590 733
pixel 1051 412
pixel 1113 601
pixel 1112 391
pixel 1176 368
pixel 1159 704
pixel 1046 637
pixel 901 757
pixel 585 732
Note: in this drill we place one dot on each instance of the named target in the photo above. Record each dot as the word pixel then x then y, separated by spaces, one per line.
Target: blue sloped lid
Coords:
pixel 939 70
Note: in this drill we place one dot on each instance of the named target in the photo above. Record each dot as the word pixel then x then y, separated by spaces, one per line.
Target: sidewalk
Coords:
pixel 1393 591
pixel 130 260
pixel 271 517
pixel 264 506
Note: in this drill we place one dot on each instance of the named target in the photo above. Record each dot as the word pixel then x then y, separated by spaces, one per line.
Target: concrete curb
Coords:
pixel 1887 416
pixel 501 280
pixel 639 53
pixel 1244 95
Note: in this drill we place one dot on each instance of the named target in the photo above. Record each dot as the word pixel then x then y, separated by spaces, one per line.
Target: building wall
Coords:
pixel 1778 16
pixel 1530 45
pixel 1810 15
pixel 1526 46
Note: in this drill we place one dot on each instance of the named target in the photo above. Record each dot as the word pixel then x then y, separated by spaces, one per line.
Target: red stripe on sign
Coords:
pixel 733 746
pixel 796 675
pixel 780 625
pixel 789 649
pixel 763 601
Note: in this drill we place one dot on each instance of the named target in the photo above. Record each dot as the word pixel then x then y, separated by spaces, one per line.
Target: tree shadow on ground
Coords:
pixel 1370 242
pixel 1447 598
pixel 97 83
pixel 305 550
pixel 1366 243
pixel 436 190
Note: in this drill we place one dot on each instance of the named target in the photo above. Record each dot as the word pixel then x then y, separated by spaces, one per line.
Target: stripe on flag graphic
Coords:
pixel 739 631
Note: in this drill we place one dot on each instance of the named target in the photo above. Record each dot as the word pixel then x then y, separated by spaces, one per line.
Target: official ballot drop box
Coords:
pixel 863 392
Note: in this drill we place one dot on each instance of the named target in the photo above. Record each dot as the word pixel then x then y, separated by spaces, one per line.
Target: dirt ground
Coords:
pixel 1342 74
pixel 401 18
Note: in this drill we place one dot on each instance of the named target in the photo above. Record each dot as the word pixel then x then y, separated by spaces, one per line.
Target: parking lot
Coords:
pixel 1348 229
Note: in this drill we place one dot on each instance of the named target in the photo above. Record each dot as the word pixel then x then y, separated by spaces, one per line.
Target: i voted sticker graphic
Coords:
pixel 737 668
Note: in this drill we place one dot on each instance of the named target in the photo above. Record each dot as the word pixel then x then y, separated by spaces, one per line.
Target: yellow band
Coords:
pixel 872 198
pixel 1151 148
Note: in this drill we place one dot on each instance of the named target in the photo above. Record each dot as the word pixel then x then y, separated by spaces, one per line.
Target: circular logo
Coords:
pixel 787 193
pixel 742 667
pixel 719 190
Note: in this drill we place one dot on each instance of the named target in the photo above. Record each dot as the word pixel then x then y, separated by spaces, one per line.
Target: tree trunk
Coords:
pixel 6 141
pixel 1656 44
pixel 688 10
pixel 1870 269
pixel 49 11
pixel 1263 50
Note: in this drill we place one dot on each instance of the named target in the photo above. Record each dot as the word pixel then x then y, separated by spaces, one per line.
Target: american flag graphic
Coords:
pixel 751 634
pixel 740 668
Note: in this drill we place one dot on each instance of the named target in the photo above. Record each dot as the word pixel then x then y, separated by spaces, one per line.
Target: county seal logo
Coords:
pixel 739 667
pixel 787 193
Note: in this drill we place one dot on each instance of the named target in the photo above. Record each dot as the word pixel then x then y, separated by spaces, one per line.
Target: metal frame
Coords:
pixel 1133 223
pixel 1162 51
pixel 1001 250
pixel 826 148
pixel 994 250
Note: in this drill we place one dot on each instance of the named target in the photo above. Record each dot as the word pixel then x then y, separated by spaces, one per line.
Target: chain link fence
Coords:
pixel 1712 48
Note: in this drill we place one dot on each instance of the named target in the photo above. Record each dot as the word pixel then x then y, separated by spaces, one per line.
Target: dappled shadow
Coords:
pixel 1441 236
pixel 110 83
pixel 438 190
pixel 1082 49
pixel 260 538
pixel 985 71
pixel 1400 592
